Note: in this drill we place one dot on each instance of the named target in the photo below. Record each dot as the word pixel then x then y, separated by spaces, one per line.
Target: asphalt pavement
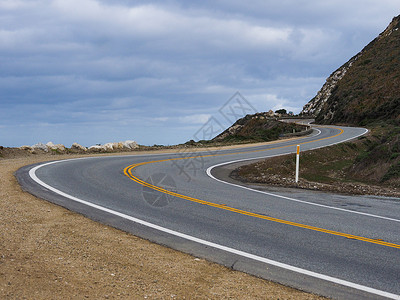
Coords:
pixel 346 247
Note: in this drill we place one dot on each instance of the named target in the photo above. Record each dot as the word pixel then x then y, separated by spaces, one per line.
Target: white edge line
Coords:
pixel 32 174
pixel 208 171
pixel 178 153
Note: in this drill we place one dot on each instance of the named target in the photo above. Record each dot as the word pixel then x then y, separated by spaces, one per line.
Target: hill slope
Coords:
pixel 259 127
pixel 365 91
pixel 366 88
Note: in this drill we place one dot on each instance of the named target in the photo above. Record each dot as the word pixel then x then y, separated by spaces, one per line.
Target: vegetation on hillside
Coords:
pixel 255 128
pixel 379 160
pixel 367 95
pixel 370 90
pixel 336 171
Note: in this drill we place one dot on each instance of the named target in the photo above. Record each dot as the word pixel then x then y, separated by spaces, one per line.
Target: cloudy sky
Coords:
pixel 96 71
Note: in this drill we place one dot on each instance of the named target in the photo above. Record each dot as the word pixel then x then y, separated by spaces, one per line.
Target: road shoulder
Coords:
pixel 68 255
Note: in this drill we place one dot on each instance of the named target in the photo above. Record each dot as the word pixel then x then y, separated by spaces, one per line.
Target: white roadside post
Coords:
pixel 297 163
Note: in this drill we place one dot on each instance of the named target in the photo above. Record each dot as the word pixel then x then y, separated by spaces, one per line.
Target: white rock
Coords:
pixel 52 146
pixel 130 144
pixel 40 146
pixel 109 146
pixel 235 128
pixel 61 147
pixel 114 146
pixel 96 148
pixel 271 114
pixel 119 146
pixel 76 146
pixel 315 105
pixel 25 147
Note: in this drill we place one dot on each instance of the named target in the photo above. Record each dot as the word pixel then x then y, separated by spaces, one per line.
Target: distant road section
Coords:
pixel 340 246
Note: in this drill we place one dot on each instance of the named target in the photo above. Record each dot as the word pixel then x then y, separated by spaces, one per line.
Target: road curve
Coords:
pixel 339 246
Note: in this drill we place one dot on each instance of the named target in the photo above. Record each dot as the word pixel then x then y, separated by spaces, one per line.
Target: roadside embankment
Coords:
pixel 48 252
pixel 334 169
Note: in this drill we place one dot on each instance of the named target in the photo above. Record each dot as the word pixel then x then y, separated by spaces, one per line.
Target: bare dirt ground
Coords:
pixel 48 252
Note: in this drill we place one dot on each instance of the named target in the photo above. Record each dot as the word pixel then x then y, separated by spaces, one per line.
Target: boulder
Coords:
pixel 109 146
pixel 119 146
pixel 40 146
pixel 76 146
pixel 96 148
pixel 130 144
pixel 28 148
pixel 59 147
pixel 50 145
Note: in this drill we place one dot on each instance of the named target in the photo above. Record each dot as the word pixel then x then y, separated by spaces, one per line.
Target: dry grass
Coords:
pixel 341 168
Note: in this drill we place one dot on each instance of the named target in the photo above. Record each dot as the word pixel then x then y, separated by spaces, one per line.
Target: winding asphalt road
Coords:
pixel 346 247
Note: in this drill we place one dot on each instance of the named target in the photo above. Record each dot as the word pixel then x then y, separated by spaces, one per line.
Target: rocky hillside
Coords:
pixel 365 91
pixel 259 127
pixel 366 88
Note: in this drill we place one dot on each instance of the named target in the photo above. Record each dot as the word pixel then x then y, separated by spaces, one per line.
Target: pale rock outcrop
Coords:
pixel 230 131
pixel 127 145
pixel 316 104
pixel 130 144
pixel 40 146
pixel 25 147
pixel 109 146
pixel 76 146
pixel 270 114
pixel 119 146
pixel 59 147
pixel 96 148
pixel 319 104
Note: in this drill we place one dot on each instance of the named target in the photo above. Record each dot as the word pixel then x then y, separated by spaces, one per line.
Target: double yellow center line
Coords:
pixel 128 172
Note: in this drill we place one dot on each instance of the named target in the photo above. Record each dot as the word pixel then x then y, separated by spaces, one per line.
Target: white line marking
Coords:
pixel 208 172
pixel 348 139
pixel 32 174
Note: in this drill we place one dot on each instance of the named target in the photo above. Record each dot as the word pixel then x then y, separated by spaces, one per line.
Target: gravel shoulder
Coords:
pixel 48 252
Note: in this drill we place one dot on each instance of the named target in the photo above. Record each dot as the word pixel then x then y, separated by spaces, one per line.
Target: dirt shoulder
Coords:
pixel 48 252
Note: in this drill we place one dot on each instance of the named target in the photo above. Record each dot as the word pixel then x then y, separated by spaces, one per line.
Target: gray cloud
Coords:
pixel 90 70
